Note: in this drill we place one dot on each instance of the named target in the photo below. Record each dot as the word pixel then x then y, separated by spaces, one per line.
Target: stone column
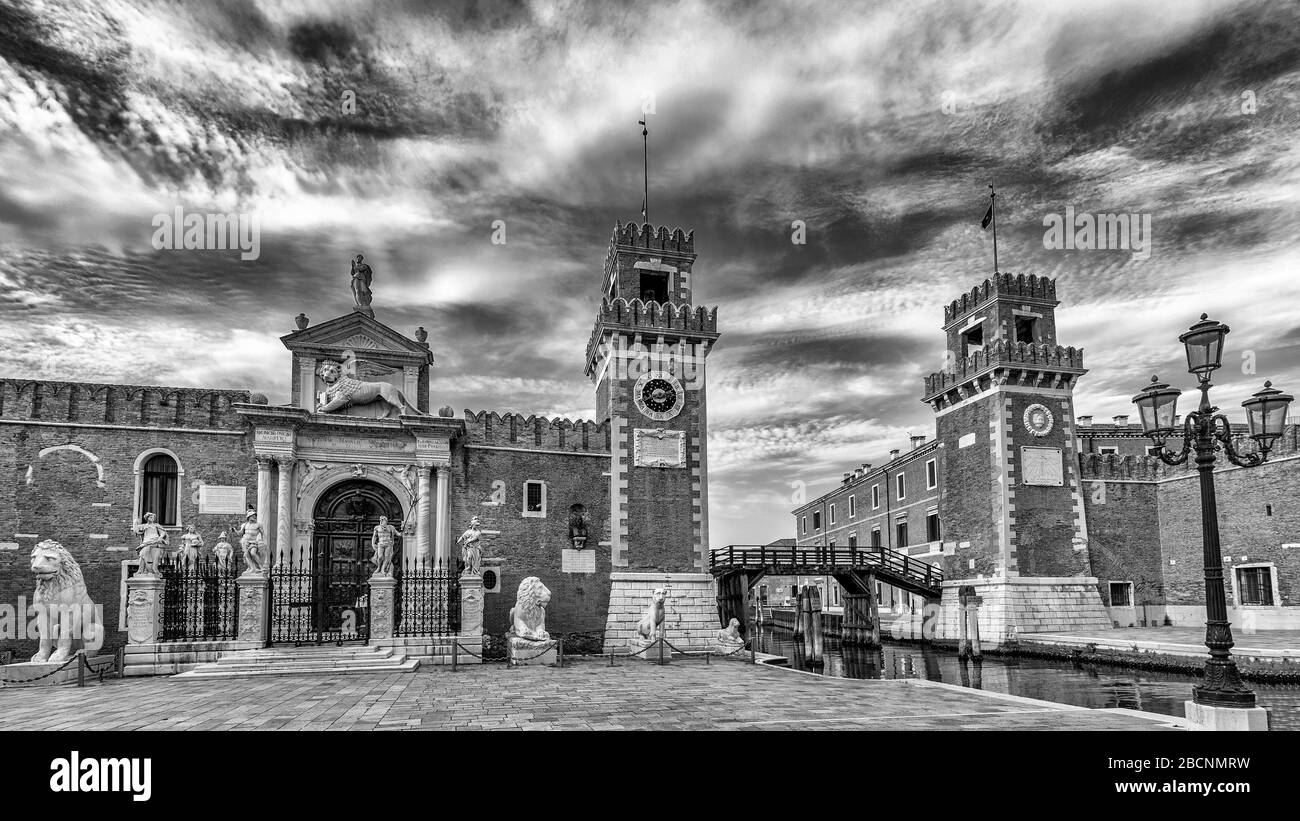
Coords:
pixel 382 613
pixel 284 512
pixel 422 523
pixel 264 496
pixel 471 606
pixel 442 533
pixel 254 607
pixel 144 609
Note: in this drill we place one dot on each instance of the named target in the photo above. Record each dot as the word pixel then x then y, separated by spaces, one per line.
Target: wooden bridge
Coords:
pixel 737 568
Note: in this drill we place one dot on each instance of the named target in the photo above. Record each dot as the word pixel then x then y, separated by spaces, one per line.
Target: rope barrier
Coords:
pixel 64 666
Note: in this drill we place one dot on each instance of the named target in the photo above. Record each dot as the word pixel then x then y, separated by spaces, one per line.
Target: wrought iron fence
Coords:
pixel 314 603
pixel 199 599
pixel 427 600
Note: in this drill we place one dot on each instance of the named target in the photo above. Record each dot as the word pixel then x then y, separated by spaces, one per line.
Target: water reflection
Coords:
pixel 1064 682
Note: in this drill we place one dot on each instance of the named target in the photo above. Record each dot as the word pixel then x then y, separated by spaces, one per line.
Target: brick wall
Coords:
pixel 532 546
pixel 58 496
pixel 966 501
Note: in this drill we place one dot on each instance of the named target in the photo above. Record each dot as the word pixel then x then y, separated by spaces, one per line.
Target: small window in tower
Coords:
pixel 972 340
pixel 1025 329
pixel 654 286
pixel 534 499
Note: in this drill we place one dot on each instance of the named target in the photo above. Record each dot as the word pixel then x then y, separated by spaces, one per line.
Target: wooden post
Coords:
pixel 974 622
pixel 815 623
pixel 873 610
pixel 963 646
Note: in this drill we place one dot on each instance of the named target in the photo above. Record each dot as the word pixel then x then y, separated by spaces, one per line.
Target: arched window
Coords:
pixel 160 488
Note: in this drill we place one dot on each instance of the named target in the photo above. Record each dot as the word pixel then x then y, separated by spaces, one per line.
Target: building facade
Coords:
pixel 600 510
pixel 1055 521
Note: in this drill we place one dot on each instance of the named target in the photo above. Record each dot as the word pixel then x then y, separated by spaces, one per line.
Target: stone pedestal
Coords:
pixel 1206 717
pixel 254 606
pixel 144 609
pixel 528 651
pixel 383 590
pixel 690 610
pixel 638 643
pixel 728 648
pixel 471 606
pixel 1016 605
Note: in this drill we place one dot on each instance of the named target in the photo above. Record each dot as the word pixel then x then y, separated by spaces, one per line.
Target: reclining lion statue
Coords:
pixel 528 616
pixel 342 391
pixel 64 611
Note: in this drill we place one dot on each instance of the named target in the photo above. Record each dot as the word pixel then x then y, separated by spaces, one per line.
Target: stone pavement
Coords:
pixel 585 695
pixel 1264 645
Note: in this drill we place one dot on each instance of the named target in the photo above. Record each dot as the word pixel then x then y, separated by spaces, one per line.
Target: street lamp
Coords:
pixel 1205 431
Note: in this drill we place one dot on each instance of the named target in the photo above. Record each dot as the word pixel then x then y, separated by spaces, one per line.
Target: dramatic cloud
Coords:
pixel 406 130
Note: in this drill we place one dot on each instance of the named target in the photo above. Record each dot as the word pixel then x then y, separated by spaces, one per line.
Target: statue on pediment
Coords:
pixel 361 279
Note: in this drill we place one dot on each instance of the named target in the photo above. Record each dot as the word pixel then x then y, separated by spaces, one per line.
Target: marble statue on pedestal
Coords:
pixel 471 550
pixel 651 626
pixel 382 540
pixel 60 599
pixel 153 540
pixel 362 276
pixel 252 537
pixel 191 545
pixel 578 526
pixel 223 550
pixel 729 639
pixel 528 616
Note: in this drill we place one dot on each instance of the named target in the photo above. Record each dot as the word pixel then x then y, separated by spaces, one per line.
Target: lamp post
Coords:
pixel 1204 432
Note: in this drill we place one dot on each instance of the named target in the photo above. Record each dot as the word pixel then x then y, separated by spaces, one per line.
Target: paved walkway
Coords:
pixel 586 695
pixel 1265 645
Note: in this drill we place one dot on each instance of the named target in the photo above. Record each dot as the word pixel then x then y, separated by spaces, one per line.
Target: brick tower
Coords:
pixel 646 358
pixel 1011 504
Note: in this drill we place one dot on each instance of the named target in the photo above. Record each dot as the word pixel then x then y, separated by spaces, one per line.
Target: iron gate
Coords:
pixel 315 603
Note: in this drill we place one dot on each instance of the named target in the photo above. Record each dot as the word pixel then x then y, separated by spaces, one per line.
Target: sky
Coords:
pixel 406 131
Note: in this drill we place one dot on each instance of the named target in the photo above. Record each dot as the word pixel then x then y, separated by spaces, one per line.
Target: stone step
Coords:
pixel 212 671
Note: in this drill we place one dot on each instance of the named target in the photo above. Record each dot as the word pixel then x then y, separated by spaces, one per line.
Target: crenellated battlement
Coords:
pixel 1019 286
pixel 658 316
pixel 1024 355
pixel 127 405
pixel 515 430
pixel 649 237
pixel 1113 467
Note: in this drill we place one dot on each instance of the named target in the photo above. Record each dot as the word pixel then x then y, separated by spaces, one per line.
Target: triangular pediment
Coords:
pixel 358 333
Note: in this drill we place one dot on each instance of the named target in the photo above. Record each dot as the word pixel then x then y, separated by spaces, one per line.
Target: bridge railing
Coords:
pixel 756 556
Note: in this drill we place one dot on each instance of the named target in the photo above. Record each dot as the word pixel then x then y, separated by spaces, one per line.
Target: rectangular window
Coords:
pixel 972 341
pixel 901 480
pixel 803 523
pixel 900 530
pixel 875 497
pixel 1025 329
pixel 1255 585
pixel 817 520
pixel 932 533
pixel 1121 594
pixel 1108 449
pixel 1153 450
pixel 534 499
pixel 853 506
pixel 832 514
pixel 931 475
pixel 853 540
pixel 835 595
pixel 875 537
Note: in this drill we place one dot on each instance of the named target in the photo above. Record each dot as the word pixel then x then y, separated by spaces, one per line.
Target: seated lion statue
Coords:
pixel 64 611
pixel 731 633
pixel 528 616
pixel 651 626
pixel 342 391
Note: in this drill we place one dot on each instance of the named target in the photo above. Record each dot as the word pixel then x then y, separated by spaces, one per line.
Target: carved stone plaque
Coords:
pixel 1041 466
pixel 660 448
pixel 223 499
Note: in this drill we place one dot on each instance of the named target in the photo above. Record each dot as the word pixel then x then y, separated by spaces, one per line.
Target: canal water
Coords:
pixel 1082 685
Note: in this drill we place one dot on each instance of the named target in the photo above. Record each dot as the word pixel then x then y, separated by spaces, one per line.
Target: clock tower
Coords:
pixel 646 359
pixel 1012 507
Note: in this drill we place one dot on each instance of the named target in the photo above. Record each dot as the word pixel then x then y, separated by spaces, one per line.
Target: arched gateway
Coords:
pixel 326 597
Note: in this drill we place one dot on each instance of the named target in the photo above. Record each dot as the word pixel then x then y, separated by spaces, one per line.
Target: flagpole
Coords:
pixel 993 209
pixel 645 144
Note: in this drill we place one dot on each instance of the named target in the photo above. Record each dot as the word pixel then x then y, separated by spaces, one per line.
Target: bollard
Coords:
pixel 81 668
pixel 559 656
pixel 661 649
pixel 706 658
pixel 611 658
pixel 455 647
pixel 120 662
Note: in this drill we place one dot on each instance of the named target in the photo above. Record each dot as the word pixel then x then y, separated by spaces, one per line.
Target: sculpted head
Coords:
pixel 329 372
pixel 51 561
pixel 733 625
pixel 659 595
pixel 532 593
pixel 149 518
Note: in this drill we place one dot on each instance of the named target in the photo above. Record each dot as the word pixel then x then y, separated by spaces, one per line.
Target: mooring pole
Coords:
pixel 974 622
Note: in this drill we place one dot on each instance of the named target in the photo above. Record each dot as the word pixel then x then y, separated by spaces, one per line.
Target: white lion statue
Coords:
pixel 64 611
pixel 651 626
pixel 342 391
pixel 528 616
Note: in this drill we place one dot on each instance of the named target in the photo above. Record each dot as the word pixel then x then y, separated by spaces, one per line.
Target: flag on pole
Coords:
pixel 988 217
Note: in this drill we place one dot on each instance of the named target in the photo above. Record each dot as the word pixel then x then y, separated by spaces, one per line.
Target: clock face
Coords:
pixel 1038 420
pixel 659 395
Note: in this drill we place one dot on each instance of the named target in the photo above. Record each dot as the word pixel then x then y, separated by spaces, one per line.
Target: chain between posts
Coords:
pixel 63 666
